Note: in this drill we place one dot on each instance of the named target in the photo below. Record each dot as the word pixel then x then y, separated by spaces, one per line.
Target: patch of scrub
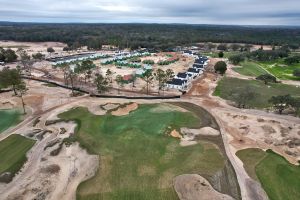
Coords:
pixel 138 160
pixel 13 155
pixel 9 118
pixel 279 178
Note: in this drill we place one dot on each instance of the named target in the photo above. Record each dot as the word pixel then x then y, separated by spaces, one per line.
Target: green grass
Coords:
pixel 249 68
pixel 9 118
pixel 49 85
pixel 279 178
pixel 13 153
pixel 265 92
pixel 138 160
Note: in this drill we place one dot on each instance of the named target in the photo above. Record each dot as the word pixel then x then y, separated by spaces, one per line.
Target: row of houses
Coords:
pixel 76 58
pixel 182 80
pixel 123 56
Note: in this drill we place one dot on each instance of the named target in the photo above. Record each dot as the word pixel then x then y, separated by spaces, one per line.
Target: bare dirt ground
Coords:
pixel 195 187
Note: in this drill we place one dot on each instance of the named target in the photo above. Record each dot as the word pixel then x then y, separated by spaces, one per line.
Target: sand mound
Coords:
pixel 195 187
pixel 208 131
pixel 125 110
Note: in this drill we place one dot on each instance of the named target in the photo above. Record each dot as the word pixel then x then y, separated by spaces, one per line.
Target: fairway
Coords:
pixel 138 159
pixel 250 69
pixel 279 178
pixel 13 153
pixel 265 92
pixel 8 118
pixel 280 70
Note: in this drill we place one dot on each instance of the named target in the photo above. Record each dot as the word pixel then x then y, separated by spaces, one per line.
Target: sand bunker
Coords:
pixel 175 134
pixel 165 107
pixel 125 110
pixel 195 187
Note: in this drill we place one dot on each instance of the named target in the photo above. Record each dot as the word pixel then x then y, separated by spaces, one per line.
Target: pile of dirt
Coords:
pixel 195 187
pixel 125 110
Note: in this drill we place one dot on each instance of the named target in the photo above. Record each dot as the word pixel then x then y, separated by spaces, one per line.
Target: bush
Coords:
pixel 221 54
pixel 221 67
pixel 296 72
pixel 236 59
pixel 267 78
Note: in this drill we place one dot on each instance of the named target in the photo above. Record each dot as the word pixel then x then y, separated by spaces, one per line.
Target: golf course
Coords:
pixel 138 157
pixel 279 178
pixel 8 118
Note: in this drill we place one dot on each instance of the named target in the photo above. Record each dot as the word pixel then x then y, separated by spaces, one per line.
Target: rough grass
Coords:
pixel 250 69
pixel 251 157
pixel 138 160
pixel 265 92
pixel 8 118
pixel 279 178
pixel 13 153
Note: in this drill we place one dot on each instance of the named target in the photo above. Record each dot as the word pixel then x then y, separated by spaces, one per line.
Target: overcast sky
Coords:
pixel 244 12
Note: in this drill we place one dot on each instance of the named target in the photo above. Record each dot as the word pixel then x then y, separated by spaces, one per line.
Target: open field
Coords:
pixel 279 178
pixel 138 159
pixel 8 118
pixel 13 153
pixel 249 68
pixel 265 92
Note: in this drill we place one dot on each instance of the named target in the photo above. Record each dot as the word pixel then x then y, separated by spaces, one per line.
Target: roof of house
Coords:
pixel 193 70
pixel 182 75
pixel 198 66
pixel 176 81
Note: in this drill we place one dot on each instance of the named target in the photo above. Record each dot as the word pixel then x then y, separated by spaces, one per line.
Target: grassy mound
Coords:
pixel 265 92
pixel 279 178
pixel 138 160
pixel 8 118
pixel 13 153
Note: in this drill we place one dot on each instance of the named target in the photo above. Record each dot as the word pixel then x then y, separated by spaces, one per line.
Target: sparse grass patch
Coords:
pixel 265 92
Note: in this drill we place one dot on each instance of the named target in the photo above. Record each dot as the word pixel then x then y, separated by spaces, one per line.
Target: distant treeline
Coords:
pixel 156 36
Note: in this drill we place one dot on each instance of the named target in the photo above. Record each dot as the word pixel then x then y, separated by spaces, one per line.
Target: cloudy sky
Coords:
pixel 244 12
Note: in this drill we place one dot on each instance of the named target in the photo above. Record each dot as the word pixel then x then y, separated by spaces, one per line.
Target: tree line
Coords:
pixel 157 36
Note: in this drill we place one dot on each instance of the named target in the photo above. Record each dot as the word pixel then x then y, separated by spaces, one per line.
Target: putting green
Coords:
pixel 9 118
pixel 138 159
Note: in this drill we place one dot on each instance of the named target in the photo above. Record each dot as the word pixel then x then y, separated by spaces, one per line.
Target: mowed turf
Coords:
pixel 264 92
pixel 138 160
pixel 279 178
pixel 8 118
pixel 13 153
pixel 250 69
